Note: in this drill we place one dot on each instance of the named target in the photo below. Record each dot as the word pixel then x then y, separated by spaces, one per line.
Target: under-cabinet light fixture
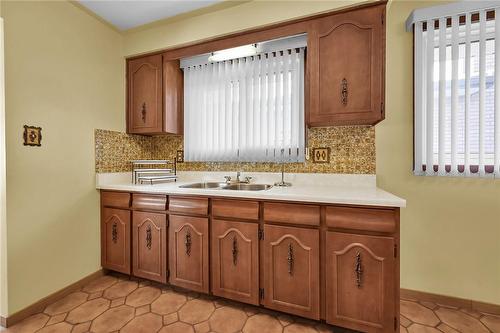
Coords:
pixel 233 53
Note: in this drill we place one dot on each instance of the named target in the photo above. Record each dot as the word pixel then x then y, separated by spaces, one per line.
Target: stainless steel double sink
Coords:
pixel 224 186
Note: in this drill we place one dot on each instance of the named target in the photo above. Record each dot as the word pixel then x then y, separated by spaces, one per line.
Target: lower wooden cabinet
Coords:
pixel 188 252
pixel 115 239
pixel 235 260
pixel 360 279
pixel 149 246
pixel 291 270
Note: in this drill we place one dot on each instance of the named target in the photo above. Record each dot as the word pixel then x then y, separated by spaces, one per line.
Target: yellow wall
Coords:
pixel 65 73
pixel 450 230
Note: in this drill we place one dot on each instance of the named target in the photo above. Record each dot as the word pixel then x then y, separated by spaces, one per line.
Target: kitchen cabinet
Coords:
pixel 189 267
pixel 347 56
pixel 115 239
pixel 149 246
pixel 291 264
pixel 360 277
pixel 235 260
pixel 154 96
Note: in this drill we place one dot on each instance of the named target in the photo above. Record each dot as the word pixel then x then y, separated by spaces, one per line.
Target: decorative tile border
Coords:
pixel 352 152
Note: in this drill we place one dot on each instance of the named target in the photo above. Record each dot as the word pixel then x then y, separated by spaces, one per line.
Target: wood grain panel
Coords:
pixel 188 252
pixel 173 84
pixel 149 201
pixel 235 261
pixel 115 239
pixel 291 213
pixel 115 199
pixel 381 220
pixel 188 205
pixel 149 247
pixel 239 209
pixel 360 276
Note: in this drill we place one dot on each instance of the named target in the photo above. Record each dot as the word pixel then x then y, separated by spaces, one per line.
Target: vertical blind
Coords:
pixel 249 109
pixel 457 100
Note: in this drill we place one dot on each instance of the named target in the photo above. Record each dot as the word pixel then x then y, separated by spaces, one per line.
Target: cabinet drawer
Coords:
pixel 236 209
pixel 115 199
pixel 149 202
pixel 291 213
pixel 188 205
pixel 382 220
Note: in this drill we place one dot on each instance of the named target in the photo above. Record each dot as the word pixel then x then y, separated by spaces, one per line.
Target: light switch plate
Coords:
pixel 321 155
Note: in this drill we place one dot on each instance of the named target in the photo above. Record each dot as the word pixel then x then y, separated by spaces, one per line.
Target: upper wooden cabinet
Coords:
pixel 154 96
pixel 346 59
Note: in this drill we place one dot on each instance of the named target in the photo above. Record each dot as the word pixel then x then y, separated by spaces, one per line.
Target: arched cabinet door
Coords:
pixel 188 237
pixel 360 275
pixel 347 68
pixel 291 270
pixel 149 247
pixel 235 261
pixel 115 240
pixel 145 94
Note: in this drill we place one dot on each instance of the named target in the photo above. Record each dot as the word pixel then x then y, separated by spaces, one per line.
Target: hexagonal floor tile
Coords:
pixel 66 303
pixel 418 313
pixel 88 311
pixel 262 323
pixel 168 302
pixel 113 319
pixel 81 328
pixel 31 324
pixel 100 284
pixel 147 323
pixel 120 289
pixel 417 328
pixel 299 328
pixel 492 322
pixel 177 328
pixel 460 321
pixel 57 328
pixel 142 296
pixel 196 311
pixel 227 320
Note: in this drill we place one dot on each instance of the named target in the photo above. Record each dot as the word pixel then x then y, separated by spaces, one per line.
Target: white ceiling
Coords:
pixel 127 14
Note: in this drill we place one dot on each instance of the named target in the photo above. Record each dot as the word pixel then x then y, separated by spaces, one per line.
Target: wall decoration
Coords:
pixel 32 136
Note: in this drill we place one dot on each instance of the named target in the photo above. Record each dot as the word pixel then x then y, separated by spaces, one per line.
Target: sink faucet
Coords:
pixel 238 179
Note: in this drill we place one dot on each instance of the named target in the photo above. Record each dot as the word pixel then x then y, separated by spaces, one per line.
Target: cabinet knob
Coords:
pixel 358 270
pixel 344 92
pixel 187 242
pixel 235 251
pixel 143 112
pixel 149 237
pixel 114 232
pixel 290 259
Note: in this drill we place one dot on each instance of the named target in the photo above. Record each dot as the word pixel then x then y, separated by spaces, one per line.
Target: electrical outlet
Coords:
pixel 321 155
pixel 180 156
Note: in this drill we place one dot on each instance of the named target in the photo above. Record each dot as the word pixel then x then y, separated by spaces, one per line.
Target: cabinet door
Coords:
pixel 291 271
pixel 145 108
pixel 115 239
pixel 188 252
pixel 360 277
pixel 149 246
pixel 235 261
pixel 173 83
pixel 347 69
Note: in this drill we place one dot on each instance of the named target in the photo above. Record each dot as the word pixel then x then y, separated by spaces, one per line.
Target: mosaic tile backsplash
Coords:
pixel 352 150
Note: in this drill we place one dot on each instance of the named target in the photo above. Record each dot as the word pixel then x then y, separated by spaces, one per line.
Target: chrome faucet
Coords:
pixel 238 179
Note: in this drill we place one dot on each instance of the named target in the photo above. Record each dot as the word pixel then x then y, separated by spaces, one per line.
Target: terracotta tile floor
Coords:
pixel 117 304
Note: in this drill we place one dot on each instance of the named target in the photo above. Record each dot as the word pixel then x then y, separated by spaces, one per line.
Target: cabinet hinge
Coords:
pixel 395 250
pixel 382 17
pixel 261 234
pixel 168 273
pixel 261 293
pixel 395 323
pixel 382 108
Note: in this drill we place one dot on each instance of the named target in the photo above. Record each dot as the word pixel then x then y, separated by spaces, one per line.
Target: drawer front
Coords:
pixel 188 205
pixel 149 202
pixel 115 199
pixel 291 213
pixel 381 220
pixel 236 209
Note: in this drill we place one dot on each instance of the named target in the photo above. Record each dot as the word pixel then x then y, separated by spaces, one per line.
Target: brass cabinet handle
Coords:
pixel 143 112
pixel 290 259
pixel 235 251
pixel 344 92
pixel 114 232
pixel 149 237
pixel 358 270
pixel 187 242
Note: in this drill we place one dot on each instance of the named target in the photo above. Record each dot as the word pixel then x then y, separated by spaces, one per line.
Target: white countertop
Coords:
pixel 319 188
